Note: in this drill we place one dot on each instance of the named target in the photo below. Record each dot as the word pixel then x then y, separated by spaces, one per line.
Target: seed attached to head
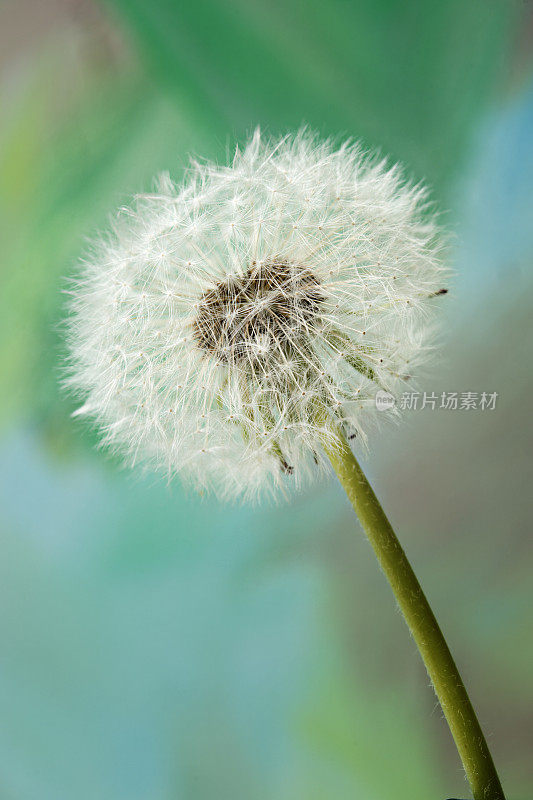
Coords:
pixel 271 306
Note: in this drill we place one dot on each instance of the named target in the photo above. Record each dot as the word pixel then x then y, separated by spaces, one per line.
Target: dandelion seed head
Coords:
pixel 224 326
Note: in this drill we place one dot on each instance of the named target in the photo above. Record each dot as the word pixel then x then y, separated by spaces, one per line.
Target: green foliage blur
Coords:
pixel 159 646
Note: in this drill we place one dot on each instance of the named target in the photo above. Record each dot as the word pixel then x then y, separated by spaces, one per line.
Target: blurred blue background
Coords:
pixel 157 646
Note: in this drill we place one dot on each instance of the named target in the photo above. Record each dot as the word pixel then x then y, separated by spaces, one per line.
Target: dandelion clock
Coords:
pixel 235 329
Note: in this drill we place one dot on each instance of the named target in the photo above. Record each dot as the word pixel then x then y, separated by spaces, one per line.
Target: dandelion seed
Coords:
pixel 249 321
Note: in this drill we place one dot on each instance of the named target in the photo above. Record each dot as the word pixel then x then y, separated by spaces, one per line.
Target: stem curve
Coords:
pixel 442 670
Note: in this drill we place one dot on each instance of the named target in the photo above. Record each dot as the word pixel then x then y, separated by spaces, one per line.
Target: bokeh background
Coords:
pixel 157 646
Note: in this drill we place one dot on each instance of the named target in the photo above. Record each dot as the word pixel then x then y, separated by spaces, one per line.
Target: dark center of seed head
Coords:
pixel 269 308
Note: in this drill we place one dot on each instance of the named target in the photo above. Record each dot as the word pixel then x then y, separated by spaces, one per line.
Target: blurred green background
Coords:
pixel 156 646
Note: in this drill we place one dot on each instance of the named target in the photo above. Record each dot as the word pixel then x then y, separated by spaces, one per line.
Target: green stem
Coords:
pixel 449 687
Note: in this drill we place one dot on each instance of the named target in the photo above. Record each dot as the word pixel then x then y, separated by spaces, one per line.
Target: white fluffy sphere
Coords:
pixel 225 326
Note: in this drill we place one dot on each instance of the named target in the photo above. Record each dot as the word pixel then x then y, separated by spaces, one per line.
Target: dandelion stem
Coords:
pixel 447 682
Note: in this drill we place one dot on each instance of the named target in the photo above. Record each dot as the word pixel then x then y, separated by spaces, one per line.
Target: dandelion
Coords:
pixel 236 329
pixel 227 325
